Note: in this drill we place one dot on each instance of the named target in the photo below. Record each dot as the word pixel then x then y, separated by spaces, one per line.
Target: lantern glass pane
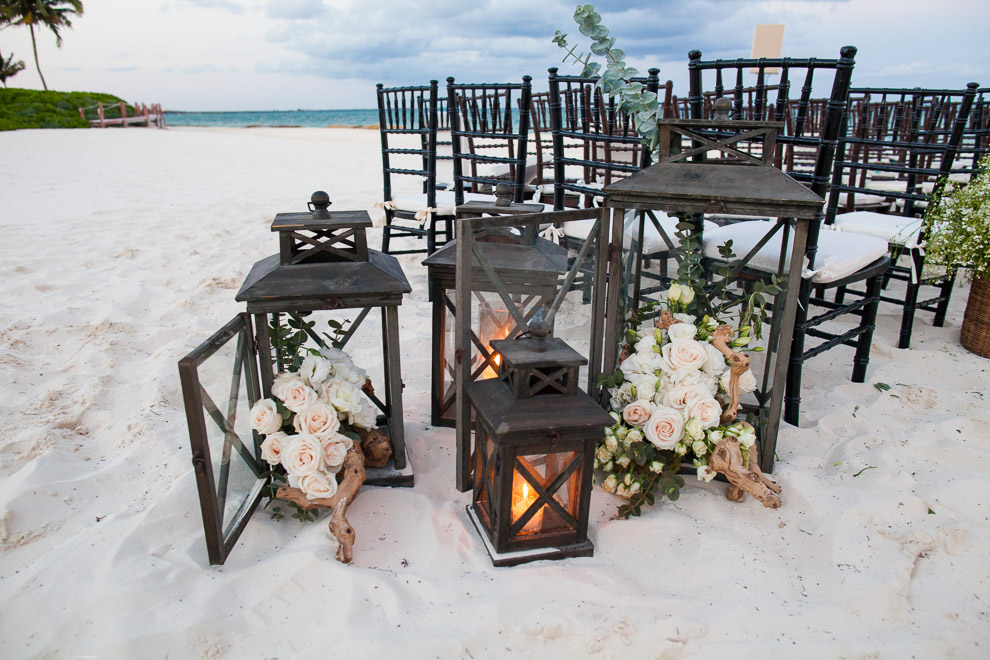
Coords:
pixel 491 319
pixel 229 435
pixel 545 468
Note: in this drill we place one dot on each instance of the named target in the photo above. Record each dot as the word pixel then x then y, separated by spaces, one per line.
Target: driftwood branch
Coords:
pixel 727 459
pixel 376 446
pixel 738 365
pixel 352 477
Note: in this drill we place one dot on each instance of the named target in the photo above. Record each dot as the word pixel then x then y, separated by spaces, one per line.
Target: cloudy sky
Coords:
pixel 321 54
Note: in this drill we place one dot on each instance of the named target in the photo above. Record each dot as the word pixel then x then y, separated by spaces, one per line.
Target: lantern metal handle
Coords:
pixel 318 204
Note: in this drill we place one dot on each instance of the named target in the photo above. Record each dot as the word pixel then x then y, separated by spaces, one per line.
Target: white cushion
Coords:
pixel 445 201
pixel 496 170
pixel 840 254
pixel 895 229
pixel 653 242
pixel 862 199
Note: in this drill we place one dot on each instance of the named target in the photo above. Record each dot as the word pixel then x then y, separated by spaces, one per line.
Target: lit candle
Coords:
pixel 522 497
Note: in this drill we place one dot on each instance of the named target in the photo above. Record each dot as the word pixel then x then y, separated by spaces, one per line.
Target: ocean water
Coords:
pixel 239 119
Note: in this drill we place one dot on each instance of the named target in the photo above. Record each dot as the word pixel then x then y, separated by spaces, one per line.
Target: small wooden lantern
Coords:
pixel 528 267
pixel 535 437
pixel 324 264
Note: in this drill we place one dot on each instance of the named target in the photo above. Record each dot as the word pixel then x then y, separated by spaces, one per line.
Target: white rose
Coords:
pixel 271 448
pixel 264 417
pixel 634 436
pixel 623 461
pixel 644 384
pixel 318 419
pixel 646 344
pixel 707 410
pixel 681 395
pixel 681 449
pixel 637 413
pixel 705 473
pixel 665 427
pixel 335 450
pixel 335 355
pixel 603 454
pixel 637 364
pixel 315 369
pixel 610 483
pixel 687 295
pixel 699 448
pixel 682 331
pixel 622 491
pixel 303 455
pixel 611 443
pixel 714 437
pixel 748 438
pixel 693 430
pixel 350 374
pixel 367 417
pixel 297 395
pixel 656 467
pixel 685 318
pixel 716 361
pixel 747 381
pixel 316 486
pixel 685 354
pixel 343 396
pixel 674 292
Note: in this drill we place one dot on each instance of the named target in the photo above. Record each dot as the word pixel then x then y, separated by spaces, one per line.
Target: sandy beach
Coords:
pixel 122 250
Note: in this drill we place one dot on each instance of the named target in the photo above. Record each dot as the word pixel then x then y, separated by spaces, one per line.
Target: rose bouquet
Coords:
pixel 310 423
pixel 667 399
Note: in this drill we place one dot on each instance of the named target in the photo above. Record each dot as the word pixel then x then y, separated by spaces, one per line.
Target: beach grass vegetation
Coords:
pixel 32 108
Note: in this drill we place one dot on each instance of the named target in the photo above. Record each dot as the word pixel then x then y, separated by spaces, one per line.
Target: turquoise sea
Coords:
pixel 274 118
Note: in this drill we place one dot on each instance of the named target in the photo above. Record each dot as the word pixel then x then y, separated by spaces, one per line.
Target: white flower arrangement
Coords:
pixel 667 399
pixel 309 425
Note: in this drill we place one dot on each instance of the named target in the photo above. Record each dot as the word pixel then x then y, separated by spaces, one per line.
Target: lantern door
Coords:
pixel 219 385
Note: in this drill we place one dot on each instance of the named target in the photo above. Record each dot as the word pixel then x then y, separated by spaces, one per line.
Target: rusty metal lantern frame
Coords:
pixel 483 276
pixel 683 182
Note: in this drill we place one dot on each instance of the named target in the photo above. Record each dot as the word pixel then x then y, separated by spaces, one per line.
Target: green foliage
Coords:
pixel 52 14
pixel 31 108
pixel 958 224
pixel 616 79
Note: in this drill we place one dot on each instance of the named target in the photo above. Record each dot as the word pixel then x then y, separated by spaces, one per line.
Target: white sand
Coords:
pixel 123 249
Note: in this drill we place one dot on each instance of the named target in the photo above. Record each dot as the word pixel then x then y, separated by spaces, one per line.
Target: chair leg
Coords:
pixel 431 235
pixel 907 318
pixel 862 359
pixel 386 230
pixel 795 365
pixel 840 294
pixel 944 295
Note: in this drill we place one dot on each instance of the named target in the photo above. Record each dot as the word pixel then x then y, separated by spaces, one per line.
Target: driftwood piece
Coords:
pixel 666 320
pixel 727 459
pixel 376 446
pixel 352 477
pixel 738 365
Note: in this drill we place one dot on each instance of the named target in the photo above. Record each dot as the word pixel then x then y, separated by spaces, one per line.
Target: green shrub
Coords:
pixel 32 108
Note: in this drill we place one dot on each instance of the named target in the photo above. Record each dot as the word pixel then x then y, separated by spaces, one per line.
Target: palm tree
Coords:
pixel 53 14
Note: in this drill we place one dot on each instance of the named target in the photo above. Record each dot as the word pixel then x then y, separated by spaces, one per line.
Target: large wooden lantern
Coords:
pixel 324 264
pixel 529 270
pixel 736 185
pixel 535 437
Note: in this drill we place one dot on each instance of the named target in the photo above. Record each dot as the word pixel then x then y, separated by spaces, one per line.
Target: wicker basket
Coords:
pixel 976 322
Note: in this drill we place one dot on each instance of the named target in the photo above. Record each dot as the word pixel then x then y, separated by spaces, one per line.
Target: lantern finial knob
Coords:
pixel 722 107
pixel 503 194
pixel 538 330
pixel 319 203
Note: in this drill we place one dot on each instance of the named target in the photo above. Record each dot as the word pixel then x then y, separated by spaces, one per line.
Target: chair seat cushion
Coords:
pixel 653 242
pixel 840 254
pixel 895 229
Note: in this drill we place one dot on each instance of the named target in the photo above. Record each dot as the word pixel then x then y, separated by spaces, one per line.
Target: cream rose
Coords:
pixel 315 369
pixel 297 395
pixel 264 417
pixel 685 354
pixel 716 361
pixel 621 395
pixel 271 448
pixel 284 381
pixel 705 473
pixel 343 396
pixel 706 410
pixel 681 395
pixel 637 413
pixel 665 427
pixel 317 486
pixel 682 331
pixel 303 456
pixel 747 381
pixel 318 419
pixel 335 450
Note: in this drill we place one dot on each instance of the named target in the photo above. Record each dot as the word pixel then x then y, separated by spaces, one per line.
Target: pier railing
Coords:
pixel 118 115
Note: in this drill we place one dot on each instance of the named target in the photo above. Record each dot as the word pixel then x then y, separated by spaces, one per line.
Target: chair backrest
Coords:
pixel 797 139
pixel 407 121
pixel 488 139
pixel 896 145
pixel 590 133
pixel 976 136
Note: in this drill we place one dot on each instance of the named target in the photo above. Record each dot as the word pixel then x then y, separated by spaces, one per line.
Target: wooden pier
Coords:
pixel 144 116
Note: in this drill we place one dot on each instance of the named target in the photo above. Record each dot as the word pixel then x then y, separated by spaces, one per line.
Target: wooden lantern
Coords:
pixel 535 437
pixel 528 267
pixel 324 264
